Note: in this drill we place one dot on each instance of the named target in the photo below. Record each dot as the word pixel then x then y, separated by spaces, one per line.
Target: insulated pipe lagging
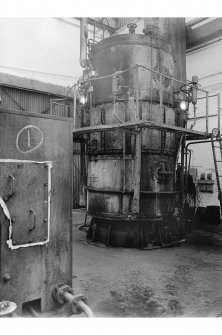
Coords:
pixel 83 41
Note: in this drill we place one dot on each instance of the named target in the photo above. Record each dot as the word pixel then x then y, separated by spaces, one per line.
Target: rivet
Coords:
pixel 30 240
pixel 7 277
pixel 5 198
pixel 45 184
pixel 13 220
pixel 45 220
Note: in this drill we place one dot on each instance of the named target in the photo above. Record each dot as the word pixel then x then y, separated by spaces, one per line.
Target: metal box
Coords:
pixel 36 206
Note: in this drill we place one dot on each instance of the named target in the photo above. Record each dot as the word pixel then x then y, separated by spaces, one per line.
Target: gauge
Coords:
pixel 215 132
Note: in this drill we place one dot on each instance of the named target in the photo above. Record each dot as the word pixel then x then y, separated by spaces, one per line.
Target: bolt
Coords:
pixel 45 184
pixel 13 220
pixel 14 242
pixel 4 305
pixel 19 165
pixel 30 240
pixel 46 165
pixel 5 199
pixel 7 277
pixel 44 238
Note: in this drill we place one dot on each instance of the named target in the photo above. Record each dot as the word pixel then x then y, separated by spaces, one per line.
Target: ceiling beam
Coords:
pixel 195 21
pixel 204 34
pixel 99 24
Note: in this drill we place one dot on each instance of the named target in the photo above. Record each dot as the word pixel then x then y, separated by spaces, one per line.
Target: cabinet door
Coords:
pixel 25 189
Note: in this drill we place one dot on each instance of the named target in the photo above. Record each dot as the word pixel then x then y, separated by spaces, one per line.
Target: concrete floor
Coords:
pixel 180 281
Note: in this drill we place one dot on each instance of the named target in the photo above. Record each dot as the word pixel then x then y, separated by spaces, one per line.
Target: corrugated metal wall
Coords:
pixel 38 102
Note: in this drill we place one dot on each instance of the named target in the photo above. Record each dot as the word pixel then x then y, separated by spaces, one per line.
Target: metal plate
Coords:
pixel 24 188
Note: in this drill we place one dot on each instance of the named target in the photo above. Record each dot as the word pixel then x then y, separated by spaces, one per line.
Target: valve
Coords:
pixel 132 27
pixel 73 304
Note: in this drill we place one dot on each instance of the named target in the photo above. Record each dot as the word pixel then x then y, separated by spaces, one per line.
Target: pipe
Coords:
pixel 218 110
pixel 203 141
pixel 195 120
pixel 69 298
pixel 83 41
pixel 74 108
pixel 83 307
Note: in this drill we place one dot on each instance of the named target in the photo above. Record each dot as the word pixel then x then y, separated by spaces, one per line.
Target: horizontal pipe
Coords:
pixel 203 117
pixel 104 190
pixel 203 141
pixel 134 67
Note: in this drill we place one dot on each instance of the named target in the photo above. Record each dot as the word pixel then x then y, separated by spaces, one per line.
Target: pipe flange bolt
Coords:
pixel 58 292
pixel 79 297
pixel 76 299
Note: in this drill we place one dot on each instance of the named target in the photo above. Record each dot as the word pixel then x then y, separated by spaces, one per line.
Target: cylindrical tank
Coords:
pixel 112 154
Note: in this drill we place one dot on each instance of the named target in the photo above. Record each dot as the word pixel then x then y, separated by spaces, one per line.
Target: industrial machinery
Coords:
pixel 35 213
pixel 135 99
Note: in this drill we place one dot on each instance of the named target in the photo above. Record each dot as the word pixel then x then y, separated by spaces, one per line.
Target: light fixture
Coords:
pixel 82 99
pixel 183 105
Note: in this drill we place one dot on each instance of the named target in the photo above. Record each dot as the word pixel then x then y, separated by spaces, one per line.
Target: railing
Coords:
pixel 206 116
pixel 161 77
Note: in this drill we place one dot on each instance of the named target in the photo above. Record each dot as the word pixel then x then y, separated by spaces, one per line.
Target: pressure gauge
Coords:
pixel 215 132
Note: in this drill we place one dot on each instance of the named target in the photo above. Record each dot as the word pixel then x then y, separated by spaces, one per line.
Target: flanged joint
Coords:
pixel 64 295
pixel 74 304
pixel 58 292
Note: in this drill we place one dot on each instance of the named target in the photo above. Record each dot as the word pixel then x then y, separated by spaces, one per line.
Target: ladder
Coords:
pixel 216 143
pixel 217 161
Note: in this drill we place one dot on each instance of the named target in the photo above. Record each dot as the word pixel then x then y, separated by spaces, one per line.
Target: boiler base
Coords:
pixel 149 233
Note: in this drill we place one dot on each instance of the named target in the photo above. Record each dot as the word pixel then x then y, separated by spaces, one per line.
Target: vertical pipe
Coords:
pixel 218 110
pixel 136 195
pixel 51 106
pixel 124 156
pixel 137 93
pixel 90 95
pixel 74 108
pixel 94 32
pixel 207 112
pixel 151 75
pixel 185 161
pixel 216 170
pixel 124 161
pixel 182 170
pixel 161 94
pixel 83 41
